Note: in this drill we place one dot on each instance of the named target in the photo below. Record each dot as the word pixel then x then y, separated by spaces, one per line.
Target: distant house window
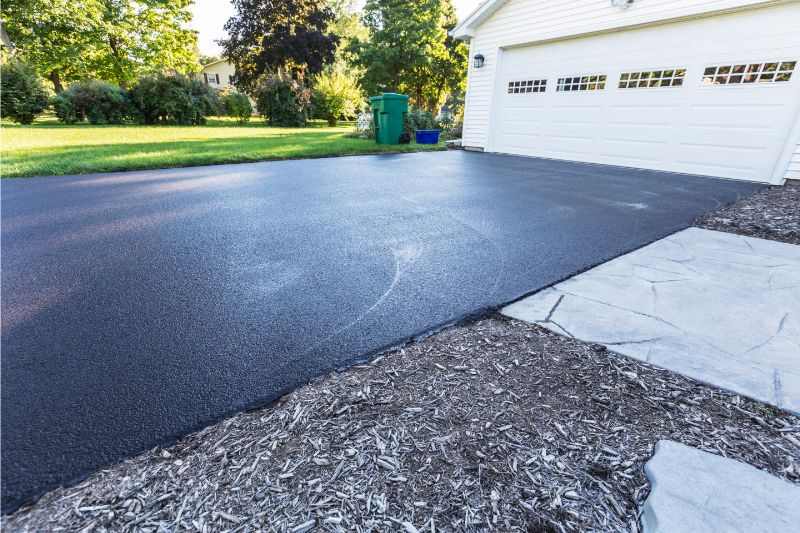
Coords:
pixel 216 77
pixel 777 71
pixel 205 77
pixel 527 86
pixel 591 82
pixel 671 77
pixel 231 79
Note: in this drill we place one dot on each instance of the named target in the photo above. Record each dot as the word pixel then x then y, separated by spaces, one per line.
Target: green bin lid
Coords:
pixel 388 96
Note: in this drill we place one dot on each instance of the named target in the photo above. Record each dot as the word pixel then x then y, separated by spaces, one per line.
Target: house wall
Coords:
pixel 521 22
pixel 793 172
pixel 225 71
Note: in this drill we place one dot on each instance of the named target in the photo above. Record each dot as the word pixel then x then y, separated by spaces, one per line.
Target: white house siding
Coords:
pixel 793 172
pixel 528 21
pixel 222 69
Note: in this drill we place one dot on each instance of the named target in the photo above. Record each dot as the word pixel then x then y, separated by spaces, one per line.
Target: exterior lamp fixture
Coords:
pixel 478 60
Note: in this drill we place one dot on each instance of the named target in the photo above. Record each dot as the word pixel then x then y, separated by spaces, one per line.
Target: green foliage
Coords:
pixel 411 52
pixel 161 99
pixel 336 95
pixel 452 118
pixel 207 60
pixel 283 102
pixel 115 40
pixel 23 93
pixel 97 101
pixel 347 26
pixel 279 36
pixel 236 104
pixel 419 119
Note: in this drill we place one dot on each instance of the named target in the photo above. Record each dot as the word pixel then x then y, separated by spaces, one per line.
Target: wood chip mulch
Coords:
pixel 494 426
pixel 772 213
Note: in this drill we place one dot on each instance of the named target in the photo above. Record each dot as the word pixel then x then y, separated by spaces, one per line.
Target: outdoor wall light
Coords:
pixel 478 60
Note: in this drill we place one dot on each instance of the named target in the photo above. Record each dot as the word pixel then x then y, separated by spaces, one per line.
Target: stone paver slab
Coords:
pixel 718 307
pixel 701 492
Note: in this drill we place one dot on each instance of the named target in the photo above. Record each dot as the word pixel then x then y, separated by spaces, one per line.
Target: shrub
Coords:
pixel 283 102
pixel 97 101
pixel 417 119
pixel 23 93
pixel 336 95
pixel 173 100
pixel 236 104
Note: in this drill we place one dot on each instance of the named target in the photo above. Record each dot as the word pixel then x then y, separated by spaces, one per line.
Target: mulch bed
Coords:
pixel 494 426
pixel 773 213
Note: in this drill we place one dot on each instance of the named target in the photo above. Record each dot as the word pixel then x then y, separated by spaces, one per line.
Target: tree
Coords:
pixel 288 37
pixel 207 60
pixel 23 94
pixel 347 26
pixel 410 50
pixel 114 40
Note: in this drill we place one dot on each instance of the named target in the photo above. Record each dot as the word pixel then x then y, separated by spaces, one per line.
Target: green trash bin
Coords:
pixel 388 114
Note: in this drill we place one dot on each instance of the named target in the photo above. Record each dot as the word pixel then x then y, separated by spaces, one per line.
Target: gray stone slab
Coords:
pixel 701 492
pixel 718 307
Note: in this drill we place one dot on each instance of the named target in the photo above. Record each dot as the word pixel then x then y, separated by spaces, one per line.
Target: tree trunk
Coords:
pixel 55 77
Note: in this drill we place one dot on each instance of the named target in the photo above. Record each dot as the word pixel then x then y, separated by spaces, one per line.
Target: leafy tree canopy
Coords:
pixel 283 36
pixel 410 50
pixel 207 60
pixel 348 27
pixel 114 40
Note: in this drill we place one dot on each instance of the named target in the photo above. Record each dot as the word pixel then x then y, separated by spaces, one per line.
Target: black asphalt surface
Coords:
pixel 140 306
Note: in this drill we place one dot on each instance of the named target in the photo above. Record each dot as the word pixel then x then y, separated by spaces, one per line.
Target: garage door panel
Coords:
pixel 735 131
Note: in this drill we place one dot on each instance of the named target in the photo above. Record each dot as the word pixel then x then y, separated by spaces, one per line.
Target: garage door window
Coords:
pixel 777 71
pixel 527 86
pixel 592 82
pixel 672 77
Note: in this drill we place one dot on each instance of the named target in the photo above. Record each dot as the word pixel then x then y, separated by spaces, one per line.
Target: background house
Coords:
pixel 219 74
pixel 708 87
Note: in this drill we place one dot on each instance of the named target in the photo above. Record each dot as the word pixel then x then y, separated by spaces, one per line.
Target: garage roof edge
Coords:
pixel 466 28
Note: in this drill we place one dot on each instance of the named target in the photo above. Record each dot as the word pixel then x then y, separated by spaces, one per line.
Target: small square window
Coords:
pixel 669 73
pixel 739 69
pixel 788 65
pixel 770 67
pixel 677 82
pixel 624 77
pixel 766 76
pixel 721 80
pixel 735 78
pixel 783 76
pixel 724 70
pixel 680 73
pixel 710 71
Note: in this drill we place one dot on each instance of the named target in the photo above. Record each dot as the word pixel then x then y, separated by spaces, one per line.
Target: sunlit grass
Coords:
pixel 49 148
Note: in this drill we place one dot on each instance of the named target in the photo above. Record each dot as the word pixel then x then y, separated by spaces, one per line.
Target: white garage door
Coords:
pixel 715 96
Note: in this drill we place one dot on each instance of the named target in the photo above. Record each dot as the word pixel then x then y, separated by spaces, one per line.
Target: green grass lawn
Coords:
pixel 48 148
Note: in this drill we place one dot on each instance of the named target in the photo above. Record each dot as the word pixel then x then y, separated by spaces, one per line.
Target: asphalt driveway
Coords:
pixel 138 307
